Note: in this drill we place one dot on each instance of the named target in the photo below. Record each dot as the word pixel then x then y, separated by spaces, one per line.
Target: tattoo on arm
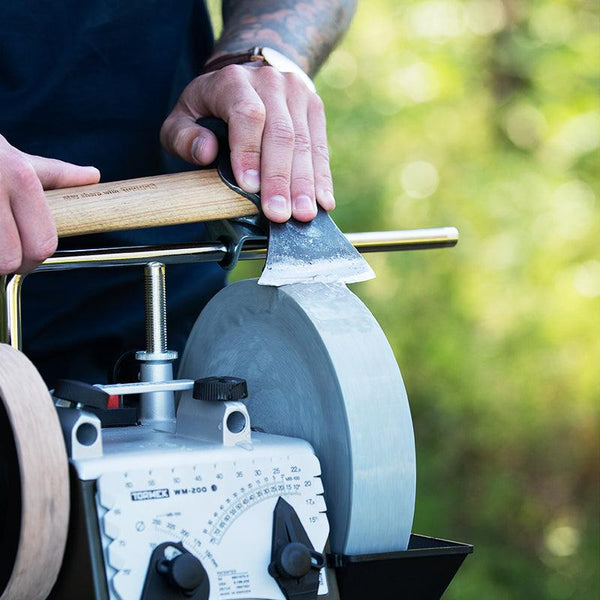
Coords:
pixel 305 31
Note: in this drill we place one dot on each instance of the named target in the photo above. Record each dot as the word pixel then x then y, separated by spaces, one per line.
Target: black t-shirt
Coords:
pixel 91 82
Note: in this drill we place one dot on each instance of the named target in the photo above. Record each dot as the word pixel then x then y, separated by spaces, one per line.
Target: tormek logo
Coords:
pixel 150 494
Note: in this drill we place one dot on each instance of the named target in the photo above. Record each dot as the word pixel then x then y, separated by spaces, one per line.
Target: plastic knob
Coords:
pixel 184 572
pixel 294 561
pixel 295 564
pixel 220 389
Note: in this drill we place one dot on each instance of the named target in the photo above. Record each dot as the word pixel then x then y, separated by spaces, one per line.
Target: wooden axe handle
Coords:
pixel 145 202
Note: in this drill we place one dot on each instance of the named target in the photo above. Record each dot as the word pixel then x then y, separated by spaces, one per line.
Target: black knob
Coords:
pixel 184 571
pixel 295 564
pixel 293 561
pixel 173 573
pixel 220 388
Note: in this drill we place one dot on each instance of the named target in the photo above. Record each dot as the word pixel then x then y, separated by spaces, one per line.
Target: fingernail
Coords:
pixel 304 204
pixel 197 149
pixel 278 205
pixel 251 180
pixel 327 199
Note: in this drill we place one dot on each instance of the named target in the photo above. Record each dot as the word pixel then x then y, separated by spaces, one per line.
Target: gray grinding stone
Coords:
pixel 319 367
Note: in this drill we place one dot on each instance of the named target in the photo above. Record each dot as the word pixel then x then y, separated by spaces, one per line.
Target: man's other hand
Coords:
pixel 277 136
pixel 27 230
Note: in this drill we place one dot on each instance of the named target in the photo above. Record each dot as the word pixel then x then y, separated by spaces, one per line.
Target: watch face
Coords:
pixel 285 65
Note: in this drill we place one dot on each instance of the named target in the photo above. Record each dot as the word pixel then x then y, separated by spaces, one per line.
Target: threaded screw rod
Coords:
pixel 156 308
pixel 156 409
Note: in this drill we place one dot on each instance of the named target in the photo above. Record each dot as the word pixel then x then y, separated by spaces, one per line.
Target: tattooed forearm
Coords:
pixel 305 31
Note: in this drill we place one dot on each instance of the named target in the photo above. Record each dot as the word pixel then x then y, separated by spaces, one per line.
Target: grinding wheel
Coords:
pixel 34 482
pixel 319 367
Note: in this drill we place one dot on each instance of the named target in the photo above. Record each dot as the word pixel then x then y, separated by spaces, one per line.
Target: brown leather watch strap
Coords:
pixel 252 55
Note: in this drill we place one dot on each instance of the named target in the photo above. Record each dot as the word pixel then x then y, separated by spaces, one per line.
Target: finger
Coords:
pixel 227 94
pixel 54 173
pixel 246 117
pixel 304 206
pixel 35 225
pixel 181 136
pixel 10 243
pixel 230 95
pixel 206 96
pixel 277 149
pixel 320 153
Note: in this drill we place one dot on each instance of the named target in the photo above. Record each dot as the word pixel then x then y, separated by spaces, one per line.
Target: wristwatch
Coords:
pixel 262 56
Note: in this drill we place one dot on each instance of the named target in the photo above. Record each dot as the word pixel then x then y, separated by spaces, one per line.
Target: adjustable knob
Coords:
pixel 220 389
pixel 174 573
pixel 184 571
pixel 293 561
pixel 295 564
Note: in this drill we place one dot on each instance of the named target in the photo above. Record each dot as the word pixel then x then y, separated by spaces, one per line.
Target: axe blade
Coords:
pixel 313 252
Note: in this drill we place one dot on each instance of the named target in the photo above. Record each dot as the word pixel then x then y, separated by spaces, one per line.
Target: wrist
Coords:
pixel 259 56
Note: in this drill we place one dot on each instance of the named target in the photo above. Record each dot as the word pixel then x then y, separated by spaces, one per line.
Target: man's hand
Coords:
pixel 27 230
pixel 277 136
pixel 276 124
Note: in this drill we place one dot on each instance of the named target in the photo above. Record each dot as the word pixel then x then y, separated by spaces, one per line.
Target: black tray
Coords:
pixel 422 572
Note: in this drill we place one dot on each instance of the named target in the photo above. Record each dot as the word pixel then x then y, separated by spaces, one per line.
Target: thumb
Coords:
pixel 181 136
pixel 54 173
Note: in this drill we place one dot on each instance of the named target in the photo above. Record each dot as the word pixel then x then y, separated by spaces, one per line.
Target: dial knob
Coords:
pixel 220 388
pixel 174 573
pixel 184 571
pixel 295 564
pixel 293 560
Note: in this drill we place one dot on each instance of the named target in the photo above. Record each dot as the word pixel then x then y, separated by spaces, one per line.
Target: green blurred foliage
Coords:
pixel 485 115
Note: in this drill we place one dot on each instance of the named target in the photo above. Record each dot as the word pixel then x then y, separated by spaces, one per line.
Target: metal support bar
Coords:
pixel 66 260
pixel 378 241
pixel 10 311
pixel 144 387
pixel 3 309
pixel 156 408
pixel 408 239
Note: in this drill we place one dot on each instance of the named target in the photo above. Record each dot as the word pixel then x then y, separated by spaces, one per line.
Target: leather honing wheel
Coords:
pixel 319 367
pixel 34 482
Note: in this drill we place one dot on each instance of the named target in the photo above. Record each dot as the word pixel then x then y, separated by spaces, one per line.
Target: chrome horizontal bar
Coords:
pixel 407 239
pixel 143 387
pixel 136 255
pixel 374 241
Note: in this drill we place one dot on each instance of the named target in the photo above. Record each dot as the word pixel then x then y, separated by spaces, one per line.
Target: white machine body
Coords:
pixel 216 500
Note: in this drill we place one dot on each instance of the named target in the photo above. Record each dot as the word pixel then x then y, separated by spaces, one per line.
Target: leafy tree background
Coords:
pixel 484 114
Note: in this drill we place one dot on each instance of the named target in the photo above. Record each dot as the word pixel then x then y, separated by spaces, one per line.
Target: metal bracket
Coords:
pixel 235 233
pixel 82 432
pixel 226 423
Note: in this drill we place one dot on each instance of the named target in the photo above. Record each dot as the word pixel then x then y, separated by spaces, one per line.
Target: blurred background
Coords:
pixel 485 115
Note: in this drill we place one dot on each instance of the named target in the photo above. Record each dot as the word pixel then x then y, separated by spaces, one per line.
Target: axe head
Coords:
pixel 313 252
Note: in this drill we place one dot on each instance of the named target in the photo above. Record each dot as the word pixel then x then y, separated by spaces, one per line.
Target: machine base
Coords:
pixel 422 572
